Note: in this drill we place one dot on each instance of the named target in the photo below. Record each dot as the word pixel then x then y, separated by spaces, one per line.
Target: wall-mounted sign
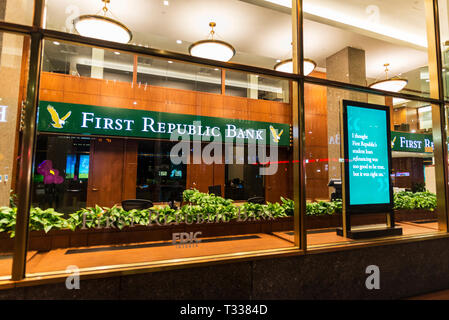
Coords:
pixel 411 142
pixel 367 152
pixel 72 118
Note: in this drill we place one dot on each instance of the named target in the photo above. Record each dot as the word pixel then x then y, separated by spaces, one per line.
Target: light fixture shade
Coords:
pixel 393 84
pixel 309 66
pixel 212 49
pixel 284 66
pixel 287 66
pixel 101 27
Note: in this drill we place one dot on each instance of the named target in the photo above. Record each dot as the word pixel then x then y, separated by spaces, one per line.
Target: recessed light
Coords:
pixel 135 102
pixel 278 60
pixel 56 43
pixel 216 69
pixel 178 41
pixel 116 52
pixel 170 61
pixel 166 3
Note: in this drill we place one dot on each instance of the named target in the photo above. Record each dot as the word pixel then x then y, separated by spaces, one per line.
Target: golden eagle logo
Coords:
pixel 58 123
pixel 392 142
pixel 276 136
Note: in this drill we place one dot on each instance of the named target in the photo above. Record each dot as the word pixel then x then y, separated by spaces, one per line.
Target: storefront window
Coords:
pixel 175 75
pixel 412 165
pixel 14 55
pixel 366 43
pixel 136 166
pixel 177 26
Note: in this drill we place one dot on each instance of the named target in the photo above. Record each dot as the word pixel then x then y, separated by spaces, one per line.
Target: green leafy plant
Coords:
pixel 199 208
pixel 407 200
pixel 8 220
pixel 288 205
pixel 323 208
pixel 46 220
pixel 39 220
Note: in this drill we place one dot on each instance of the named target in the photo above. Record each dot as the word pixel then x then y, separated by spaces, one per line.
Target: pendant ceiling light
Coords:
pixel 287 66
pixel 102 27
pixel 212 48
pixel 394 84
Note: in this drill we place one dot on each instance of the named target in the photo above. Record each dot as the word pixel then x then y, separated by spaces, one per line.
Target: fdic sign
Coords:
pixel 186 239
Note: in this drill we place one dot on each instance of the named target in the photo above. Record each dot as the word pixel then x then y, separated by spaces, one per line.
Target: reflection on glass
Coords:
pixel 361 38
pixel 266 39
pixel 240 84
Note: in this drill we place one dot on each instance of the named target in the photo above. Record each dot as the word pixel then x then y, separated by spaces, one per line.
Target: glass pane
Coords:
pixel 154 165
pixel 17 11
pixel 14 55
pixel 412 174
pixel 259 32
pixel 356 42
pixel 172 74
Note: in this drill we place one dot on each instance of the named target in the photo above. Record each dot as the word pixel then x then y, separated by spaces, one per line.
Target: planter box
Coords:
pixel 58 239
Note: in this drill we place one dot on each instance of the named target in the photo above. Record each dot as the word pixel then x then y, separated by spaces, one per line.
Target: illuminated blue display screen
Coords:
pixel 70 166
pixel 84 167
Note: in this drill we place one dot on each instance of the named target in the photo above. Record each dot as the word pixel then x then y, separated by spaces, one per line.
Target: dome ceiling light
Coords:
pixel 287 66
pixel 102 27
pixel 211 48
pixel 394 84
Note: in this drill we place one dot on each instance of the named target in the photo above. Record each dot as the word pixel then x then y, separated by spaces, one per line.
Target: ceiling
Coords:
pixel 261 31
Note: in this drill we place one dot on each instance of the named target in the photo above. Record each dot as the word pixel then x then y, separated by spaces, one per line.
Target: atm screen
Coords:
pixel 70 166
pixel 84 167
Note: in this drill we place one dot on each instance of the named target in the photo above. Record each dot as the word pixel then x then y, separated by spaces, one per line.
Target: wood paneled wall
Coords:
pixel 115 94
pixel 201 176
pixel 112 171
pixel 315 100
pixel 280 184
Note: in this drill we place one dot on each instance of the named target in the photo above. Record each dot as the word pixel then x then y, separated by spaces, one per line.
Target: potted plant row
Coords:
pixel 210 214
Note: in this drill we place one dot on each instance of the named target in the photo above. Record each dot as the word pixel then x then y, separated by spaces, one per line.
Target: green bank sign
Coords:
pixel 59 117
pixel 411 142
